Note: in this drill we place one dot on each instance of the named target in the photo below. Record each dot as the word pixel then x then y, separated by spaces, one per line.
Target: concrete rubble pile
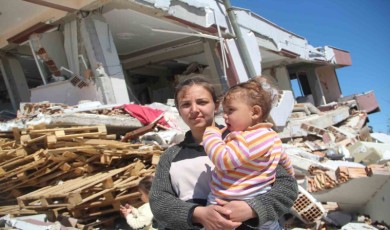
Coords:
pixel 68 163
pixel 337 162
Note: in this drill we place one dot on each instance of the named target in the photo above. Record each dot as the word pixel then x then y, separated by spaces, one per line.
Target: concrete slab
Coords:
pixel 94 119
pixel 323 120
pixel 378 206
pixel 75 119
pixel 355 194
pixel 381 137
pixel 370 152
pixel 301 159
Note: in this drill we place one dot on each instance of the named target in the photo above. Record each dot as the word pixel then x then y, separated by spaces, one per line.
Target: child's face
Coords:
pixel 238 114
pixel 144 196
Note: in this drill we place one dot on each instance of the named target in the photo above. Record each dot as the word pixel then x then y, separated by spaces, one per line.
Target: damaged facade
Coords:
pixel 124 51
pixel 121 51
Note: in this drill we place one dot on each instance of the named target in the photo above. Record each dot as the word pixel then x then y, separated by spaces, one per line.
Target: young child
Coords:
pixel 246 159
pixel 142 217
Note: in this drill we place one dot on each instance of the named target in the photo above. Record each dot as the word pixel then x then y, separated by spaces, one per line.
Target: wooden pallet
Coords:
pixel 78 172
pixel 72 192
pixel 49 137
pixel 15 210
pixel 19 164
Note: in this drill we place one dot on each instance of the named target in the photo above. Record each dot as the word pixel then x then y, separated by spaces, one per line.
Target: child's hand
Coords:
pixel 125 210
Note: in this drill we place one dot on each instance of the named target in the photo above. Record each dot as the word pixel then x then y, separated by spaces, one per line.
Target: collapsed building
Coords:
pixel 118 52
pixel 121 51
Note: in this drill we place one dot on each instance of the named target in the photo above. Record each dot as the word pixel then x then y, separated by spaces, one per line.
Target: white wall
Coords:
pixel 63 92
pixel 101 49
pixel 378 206
pixel 53 44
pixel 329 84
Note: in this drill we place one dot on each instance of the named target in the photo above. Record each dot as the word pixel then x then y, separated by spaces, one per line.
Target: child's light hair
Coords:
pixel 269 84
pixel 259 91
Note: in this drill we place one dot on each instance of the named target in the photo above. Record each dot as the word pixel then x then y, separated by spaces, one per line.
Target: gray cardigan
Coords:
pixel 172 213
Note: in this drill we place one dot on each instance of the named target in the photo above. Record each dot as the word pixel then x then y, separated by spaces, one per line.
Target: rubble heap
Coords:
pixel 67 165
pixel 336 161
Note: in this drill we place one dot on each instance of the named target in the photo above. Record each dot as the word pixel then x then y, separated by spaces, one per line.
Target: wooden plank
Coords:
pixel 16 134
pixel 67 130
pixel 37 139
pixel 30 166
pixel 15 210
pixel 85 149
pixel 6 135
pixel 109 144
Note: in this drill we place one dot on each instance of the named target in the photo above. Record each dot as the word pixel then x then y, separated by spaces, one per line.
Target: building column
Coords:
pixel 215 65
pixel 315 87
pixel 283 78
pixel 15 81
pixel 100 47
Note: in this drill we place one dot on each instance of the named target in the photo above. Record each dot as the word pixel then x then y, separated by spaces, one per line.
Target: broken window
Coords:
pixel 301 87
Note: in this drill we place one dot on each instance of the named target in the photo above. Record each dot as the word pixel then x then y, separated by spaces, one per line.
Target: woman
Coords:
pixel 181 186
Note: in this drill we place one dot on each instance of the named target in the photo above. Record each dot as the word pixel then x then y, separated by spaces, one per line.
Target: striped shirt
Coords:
pixel 245 161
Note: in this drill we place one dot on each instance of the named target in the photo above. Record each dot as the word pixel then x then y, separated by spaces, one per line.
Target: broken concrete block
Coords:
pixel 369 152
pixel 306 207
pixel 380 138
pixel 367 102
pixel 305 99
pixel 358 226
pixel 34 222
pixel 323 120
pixel 282 110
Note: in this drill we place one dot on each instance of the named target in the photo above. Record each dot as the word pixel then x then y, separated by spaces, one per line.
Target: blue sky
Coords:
pixel 361 27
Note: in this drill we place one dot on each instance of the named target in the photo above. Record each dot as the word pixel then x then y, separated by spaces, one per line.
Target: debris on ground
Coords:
pixel 77 164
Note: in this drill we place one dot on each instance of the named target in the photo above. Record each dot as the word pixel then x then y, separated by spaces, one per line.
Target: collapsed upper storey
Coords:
pixel 137 49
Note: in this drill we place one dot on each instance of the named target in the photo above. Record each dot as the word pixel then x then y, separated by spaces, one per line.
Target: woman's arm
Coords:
pixel 213 217
pixel 268 206
pixel 166 207
pixel 173 213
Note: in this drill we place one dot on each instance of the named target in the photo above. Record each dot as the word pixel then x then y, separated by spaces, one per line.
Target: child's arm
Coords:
pixel 285 161
pixel 139 218
pixel 234 152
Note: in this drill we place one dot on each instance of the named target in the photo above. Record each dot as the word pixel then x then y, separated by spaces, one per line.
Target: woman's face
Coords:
pixel 196 106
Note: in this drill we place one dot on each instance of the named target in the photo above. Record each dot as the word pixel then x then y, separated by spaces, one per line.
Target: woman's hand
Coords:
pixel 214 217
pixel 240 211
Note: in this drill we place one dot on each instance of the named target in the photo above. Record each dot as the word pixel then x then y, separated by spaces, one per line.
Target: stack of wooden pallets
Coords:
pixel 80 172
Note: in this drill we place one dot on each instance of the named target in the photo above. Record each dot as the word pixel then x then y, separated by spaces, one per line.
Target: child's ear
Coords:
pixel 257 112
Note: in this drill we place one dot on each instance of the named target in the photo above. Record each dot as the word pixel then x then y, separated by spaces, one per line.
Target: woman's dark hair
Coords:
pixel 197 79
pixel 146 183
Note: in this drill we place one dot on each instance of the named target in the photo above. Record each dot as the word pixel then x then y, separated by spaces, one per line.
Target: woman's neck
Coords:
pixel 197 135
